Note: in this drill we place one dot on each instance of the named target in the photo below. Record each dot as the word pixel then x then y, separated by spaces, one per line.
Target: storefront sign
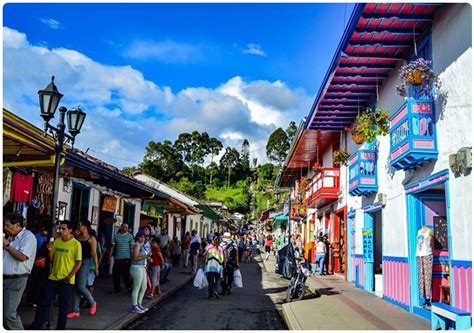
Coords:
pixel 368 245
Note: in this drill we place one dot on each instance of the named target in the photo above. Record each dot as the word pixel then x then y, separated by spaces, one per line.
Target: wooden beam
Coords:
pixel 393 31
pixel 398 16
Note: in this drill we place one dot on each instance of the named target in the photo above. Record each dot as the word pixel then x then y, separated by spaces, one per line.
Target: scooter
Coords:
pixel 297 287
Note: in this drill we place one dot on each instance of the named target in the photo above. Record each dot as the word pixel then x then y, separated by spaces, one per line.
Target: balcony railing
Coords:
pixel 412 134
pixel 323 188
pixel 363 172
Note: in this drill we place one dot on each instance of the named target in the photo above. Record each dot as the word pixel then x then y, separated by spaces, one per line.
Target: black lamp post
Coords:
pixel 49 99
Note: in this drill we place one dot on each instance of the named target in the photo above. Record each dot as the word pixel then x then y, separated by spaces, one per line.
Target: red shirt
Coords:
pixel 185 244
pixel 155 258
pixel 269 242
pixel 22 188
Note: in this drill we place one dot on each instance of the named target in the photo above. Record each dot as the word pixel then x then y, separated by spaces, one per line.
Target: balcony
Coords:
pixel 412 135
pixel 363 172
pixel 323 188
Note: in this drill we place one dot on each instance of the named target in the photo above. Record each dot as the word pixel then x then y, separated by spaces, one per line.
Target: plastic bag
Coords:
pixel 200 280
pixel 237 283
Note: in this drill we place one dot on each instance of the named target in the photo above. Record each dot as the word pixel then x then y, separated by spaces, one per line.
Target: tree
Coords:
pixel 277 146
pixel 245 155
pixel 130 170
pixel 229 160
pixel 214 146
pixel 163 161
pixel 291 131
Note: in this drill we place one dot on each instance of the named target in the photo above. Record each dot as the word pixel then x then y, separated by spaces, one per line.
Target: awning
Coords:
pixel 377 36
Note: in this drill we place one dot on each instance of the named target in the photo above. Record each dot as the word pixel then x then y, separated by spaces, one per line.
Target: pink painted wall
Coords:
pixel 395 281
pixel 461 279
pixel 358 261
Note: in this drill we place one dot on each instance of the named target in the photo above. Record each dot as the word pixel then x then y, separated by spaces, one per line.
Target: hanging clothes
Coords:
pixel 22 188
pixel 7 185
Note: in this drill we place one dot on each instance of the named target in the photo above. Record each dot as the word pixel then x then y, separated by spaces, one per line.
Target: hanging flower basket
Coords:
pixel 357 137
pixel 418 73
pixel 317 168
pixel 414 77
pixel 340 156
pixel 369 124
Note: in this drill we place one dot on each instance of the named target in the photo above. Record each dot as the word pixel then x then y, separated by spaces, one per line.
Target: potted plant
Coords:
pixel 340 156
pixel 317 168
pixel 369 124
pixel 418 73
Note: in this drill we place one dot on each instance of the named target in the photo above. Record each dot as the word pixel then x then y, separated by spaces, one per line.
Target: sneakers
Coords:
pixel 73 314
pixel 93 309
pixel 142 308
pixel 136 309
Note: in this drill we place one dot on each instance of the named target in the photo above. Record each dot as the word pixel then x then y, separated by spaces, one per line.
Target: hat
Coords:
pixel 226 235
pixel 140 233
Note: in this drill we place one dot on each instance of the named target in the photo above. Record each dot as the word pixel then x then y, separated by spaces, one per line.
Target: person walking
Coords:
pixel 268 246
pixel 19 252
pixel 185 246
pixel 120 250
pixel 231 262
pixel 195 243
pixel 214 266
pixel 175 251
pixel 66 255
pixel 89 251
pixel 138 272
pixel 320 254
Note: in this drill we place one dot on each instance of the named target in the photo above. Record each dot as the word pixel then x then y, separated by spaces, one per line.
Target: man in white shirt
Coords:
pixel 19 252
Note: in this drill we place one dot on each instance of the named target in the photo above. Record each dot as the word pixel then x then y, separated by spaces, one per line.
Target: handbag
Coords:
pixel 237 283
pixel 200 280
pixel 40 262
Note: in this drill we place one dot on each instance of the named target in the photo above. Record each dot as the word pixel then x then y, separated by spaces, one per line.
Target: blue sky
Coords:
pixel 150 71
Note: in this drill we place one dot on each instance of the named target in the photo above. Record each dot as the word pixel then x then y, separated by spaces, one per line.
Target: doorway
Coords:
pixel 339 243
pixel 428 208
pixel 80 203
pixel 373 251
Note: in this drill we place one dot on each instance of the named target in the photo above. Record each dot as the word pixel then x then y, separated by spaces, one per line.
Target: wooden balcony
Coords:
pixel 323 188
pixel 412 134
pixel 363 172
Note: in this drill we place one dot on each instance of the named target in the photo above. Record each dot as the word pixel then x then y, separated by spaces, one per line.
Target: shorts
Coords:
pixel 155 276
pixel 268 249
pixel 90 279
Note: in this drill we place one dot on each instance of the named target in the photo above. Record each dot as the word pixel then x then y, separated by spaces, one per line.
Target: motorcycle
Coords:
pixel 297 286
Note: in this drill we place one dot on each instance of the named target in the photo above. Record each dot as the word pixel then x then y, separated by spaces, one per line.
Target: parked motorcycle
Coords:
pixel 297 287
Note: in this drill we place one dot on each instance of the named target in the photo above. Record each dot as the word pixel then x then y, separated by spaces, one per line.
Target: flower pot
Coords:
pixel 358 138
pixel 414 77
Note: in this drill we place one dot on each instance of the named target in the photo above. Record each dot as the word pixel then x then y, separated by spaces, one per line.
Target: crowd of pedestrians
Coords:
pixel 62 270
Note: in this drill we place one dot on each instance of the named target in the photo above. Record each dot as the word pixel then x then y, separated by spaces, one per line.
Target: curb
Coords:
pixel 130 317
pixel 290 318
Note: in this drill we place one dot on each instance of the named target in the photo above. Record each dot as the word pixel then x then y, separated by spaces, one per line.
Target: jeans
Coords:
pixel 166 270
pixel 228 278
pixel 213 279
pixel 12 292
pixel 138 274
pixel 121 269
pixel 186 257
pixel 80 286
pixel 320 262
pixel 64 291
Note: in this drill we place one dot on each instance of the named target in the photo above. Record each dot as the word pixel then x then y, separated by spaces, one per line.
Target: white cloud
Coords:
pixel 115 98
pixel 52 23
pixel 254 49
pixel 166 51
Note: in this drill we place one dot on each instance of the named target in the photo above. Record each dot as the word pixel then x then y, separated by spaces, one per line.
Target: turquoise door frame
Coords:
pixel 350 230
pixel 415 214
pixel 369 266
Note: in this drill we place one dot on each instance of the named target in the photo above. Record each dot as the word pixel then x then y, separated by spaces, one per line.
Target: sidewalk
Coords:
pixel 343 306
pixel 112 310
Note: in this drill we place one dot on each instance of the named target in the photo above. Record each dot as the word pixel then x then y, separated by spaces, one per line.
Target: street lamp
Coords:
pixel 49 99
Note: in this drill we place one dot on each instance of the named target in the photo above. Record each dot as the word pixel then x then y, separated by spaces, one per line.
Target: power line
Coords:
pixel 111 156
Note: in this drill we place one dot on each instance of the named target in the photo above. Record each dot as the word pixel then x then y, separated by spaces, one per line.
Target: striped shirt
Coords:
pixel 214 259
pixel 123 245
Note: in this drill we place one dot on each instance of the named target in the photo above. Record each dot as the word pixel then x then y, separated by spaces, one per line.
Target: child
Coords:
pixel 156 263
